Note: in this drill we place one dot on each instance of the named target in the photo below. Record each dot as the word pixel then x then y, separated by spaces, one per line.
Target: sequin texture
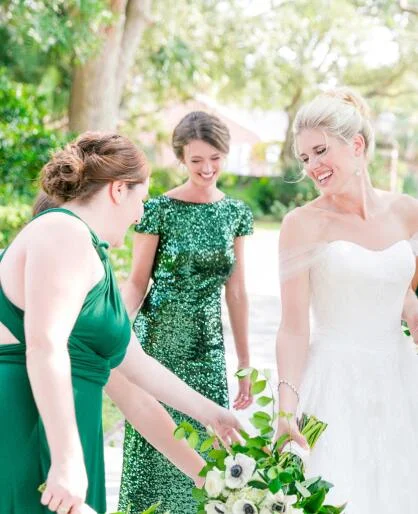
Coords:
pixel 180 325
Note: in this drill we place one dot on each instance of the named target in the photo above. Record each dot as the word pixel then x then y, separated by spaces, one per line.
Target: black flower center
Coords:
pixel 236 471
pixel 279 507
pixel 248 509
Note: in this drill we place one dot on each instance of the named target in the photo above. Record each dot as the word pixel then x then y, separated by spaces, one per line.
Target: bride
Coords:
pixel 347 260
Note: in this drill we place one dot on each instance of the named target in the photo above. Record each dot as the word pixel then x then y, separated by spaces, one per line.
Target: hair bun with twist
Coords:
pixel 63 176
pixel 348 96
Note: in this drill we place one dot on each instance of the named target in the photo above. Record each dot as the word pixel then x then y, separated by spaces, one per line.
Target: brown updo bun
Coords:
pixel 94 159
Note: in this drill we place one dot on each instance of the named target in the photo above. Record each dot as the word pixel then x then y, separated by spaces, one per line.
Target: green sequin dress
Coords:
pixel 96 344
pixel 180 325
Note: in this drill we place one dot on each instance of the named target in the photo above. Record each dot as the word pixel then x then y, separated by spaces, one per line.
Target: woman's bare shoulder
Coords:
pixel 302 225
pixel 58 233
pixel 406 207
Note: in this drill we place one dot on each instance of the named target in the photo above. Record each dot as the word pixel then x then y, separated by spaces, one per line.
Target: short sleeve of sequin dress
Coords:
pixel 180 325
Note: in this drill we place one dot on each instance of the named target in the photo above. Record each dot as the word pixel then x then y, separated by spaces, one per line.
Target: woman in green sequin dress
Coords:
pixel 63 327
pixel 190 242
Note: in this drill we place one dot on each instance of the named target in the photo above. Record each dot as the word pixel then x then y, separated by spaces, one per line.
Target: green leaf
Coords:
pixel 275 485
pixel 256 484
pixel 329 509
pixel 205 470
pixel 283 439
pixel 264 400
pixel 179 433
pixel 320 484
pixel 258 387
pixel 254 376
pixel 272 473
pixel 217 454
pixel 188 427
pixel 260 423
pixel 193 440
pixel 311 481
pixel 152 509
pixel 267 373
pixel 262 415
pixel 207 444
pixel 257 454
pixel 42 487
pixel 198 494
pixel 303 490
pixel 220 464
pixel 267 432
pixel 242 373
pixel 286 478
pixel 257 442
pixel 313 503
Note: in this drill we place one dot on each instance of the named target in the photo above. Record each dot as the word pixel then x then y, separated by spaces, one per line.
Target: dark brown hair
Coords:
pixel 200 126
pixel 42 203
pixel 94 159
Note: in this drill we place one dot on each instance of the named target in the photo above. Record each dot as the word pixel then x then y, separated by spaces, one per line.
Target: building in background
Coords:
pixel 256 137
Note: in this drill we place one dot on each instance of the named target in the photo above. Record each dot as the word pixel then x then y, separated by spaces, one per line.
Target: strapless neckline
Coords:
pixel 373 250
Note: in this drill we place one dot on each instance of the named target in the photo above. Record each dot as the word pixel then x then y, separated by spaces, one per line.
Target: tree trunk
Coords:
pixel 98 84
pixel 287 155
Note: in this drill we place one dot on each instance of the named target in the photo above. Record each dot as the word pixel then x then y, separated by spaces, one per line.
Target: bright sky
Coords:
pixel 379 48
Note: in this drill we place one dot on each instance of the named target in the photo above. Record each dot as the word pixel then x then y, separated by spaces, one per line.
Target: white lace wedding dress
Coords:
pixel 362 378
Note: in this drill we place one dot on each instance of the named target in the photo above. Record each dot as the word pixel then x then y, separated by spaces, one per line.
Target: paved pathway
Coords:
pixel 262 284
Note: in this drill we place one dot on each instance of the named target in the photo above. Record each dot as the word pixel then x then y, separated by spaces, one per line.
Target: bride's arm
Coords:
pixel 408 210
pixel 293 334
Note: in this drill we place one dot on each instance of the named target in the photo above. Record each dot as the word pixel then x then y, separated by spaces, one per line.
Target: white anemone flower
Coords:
pixel 279 503
pixel 214 483
pixel 239 470
pixel 244 507
pixel 215 507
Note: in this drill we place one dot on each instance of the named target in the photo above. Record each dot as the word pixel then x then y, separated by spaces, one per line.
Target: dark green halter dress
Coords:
pixel 97 343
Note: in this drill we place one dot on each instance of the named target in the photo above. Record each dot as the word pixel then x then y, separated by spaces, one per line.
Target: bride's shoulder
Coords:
pixel 406 207
pixel 300 226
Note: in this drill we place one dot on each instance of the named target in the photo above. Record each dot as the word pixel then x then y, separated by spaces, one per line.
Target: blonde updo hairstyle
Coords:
pixel 341 113
pixel 94 159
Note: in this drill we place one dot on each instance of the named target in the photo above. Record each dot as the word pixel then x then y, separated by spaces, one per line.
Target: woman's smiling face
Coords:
pixel 204 162
pixel 328 161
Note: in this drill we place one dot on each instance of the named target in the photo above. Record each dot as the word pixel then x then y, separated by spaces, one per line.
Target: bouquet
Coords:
pixel 259 475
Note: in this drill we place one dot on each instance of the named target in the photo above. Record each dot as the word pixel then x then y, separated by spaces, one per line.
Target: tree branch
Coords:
pixel 405 7
pixel 383 86
pixel 137 18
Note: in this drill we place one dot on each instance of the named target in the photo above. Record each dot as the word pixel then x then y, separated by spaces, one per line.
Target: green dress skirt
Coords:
pixel 180 325
pixel 97 343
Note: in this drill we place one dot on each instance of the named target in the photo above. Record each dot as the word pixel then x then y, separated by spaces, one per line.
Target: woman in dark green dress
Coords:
pixel 190 243
pixel 63 327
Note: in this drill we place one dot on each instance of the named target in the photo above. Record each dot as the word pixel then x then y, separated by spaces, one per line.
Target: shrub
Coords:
pixel 25 142
pixel 12 219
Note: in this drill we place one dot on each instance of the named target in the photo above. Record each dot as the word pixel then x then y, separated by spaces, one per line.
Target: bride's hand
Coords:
pixel 413 327
pixel 224 424
pixel 290 427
